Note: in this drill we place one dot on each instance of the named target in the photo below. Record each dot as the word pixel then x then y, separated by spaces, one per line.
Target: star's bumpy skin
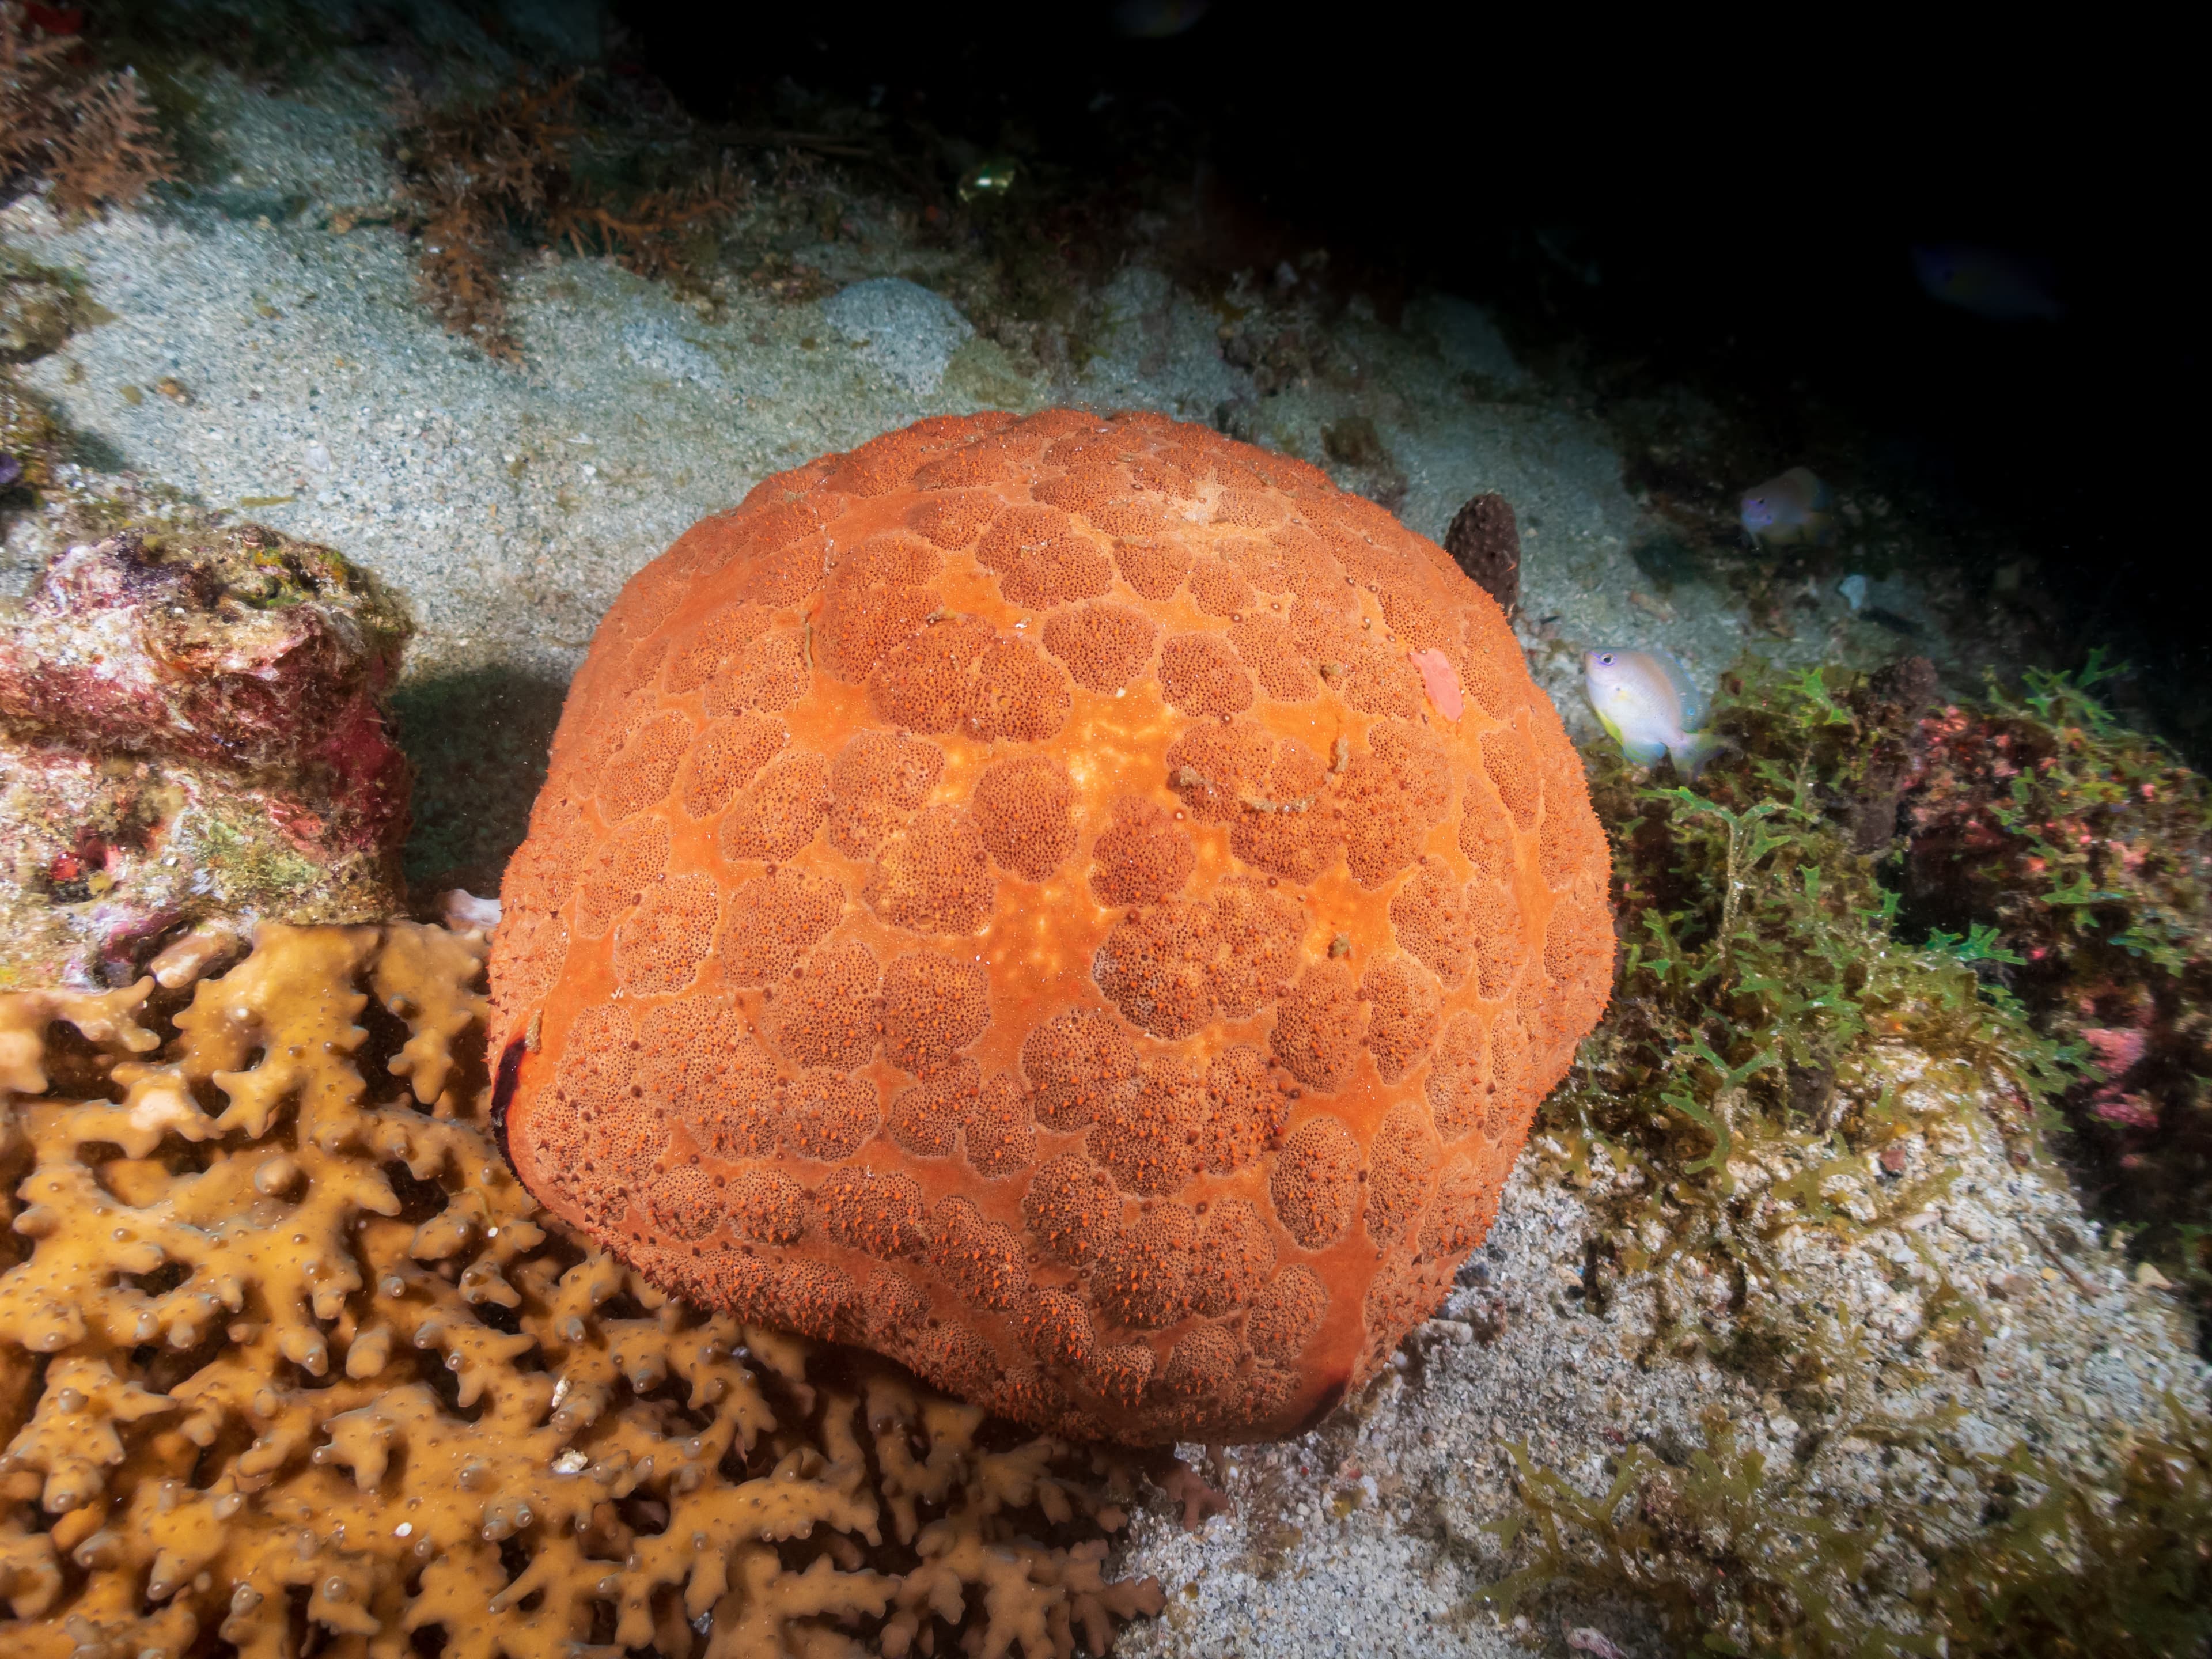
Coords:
pixel 1079 905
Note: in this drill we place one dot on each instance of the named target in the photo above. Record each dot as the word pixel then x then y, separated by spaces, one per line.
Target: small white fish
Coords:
pixel 1645 699
pixel 1793 508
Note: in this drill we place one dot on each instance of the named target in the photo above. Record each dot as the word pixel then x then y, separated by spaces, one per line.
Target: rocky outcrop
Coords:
pixel 192 726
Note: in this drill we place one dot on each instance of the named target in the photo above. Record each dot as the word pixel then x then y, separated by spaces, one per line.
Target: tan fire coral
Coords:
pixel 1081 905
pixel 283 1350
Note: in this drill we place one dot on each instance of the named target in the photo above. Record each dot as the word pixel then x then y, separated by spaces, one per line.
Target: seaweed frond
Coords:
pixel 1765 973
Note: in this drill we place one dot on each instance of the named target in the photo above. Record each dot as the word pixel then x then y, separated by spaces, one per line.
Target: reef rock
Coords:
pixel 1082 907
pixel 191 728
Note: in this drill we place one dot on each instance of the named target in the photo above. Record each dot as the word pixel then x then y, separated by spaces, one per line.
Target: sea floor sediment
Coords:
pixel 261 351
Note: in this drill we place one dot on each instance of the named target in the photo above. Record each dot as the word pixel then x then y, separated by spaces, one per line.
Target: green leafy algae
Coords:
pixel 1764 970
pixel 1742 1084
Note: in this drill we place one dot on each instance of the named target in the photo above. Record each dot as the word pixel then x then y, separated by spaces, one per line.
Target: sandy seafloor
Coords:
pixel 509 505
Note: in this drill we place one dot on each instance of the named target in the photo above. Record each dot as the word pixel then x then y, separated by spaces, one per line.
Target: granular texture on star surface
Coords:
pixel 1079 905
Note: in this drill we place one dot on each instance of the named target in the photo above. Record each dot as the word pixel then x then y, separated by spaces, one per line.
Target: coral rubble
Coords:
pixel 1082 906
pixel 39 308
pixel 28 436
pixel 288 1362
pixel 192 727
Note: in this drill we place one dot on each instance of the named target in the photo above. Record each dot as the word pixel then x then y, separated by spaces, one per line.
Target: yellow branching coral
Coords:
pixel 289 1362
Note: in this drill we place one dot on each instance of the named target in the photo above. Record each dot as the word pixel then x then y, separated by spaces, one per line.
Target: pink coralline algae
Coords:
pixel 2088 848
pixel 2116 1048
pixel 193 726
pixel 2132 1110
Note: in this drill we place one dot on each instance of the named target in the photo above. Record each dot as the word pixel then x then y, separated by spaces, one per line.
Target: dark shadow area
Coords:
pixel 97 451
pixel 1652 210
pixel 479 741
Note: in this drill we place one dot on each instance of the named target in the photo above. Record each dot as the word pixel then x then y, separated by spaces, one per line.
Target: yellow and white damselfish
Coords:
pixel 1645 699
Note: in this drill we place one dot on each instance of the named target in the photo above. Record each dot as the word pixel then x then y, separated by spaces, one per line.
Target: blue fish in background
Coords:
pixel 1646 701
pixel 1792 507
pixel 1998 286
pixel 1158 19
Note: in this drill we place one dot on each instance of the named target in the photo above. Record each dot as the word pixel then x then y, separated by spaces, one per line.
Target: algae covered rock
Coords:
pixel 193 726
pixel 2080 852
pixel 38 309
pixel 28 436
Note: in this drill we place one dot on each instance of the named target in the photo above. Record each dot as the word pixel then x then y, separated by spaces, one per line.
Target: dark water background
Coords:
pixel 1747 196
pixel 1746 193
